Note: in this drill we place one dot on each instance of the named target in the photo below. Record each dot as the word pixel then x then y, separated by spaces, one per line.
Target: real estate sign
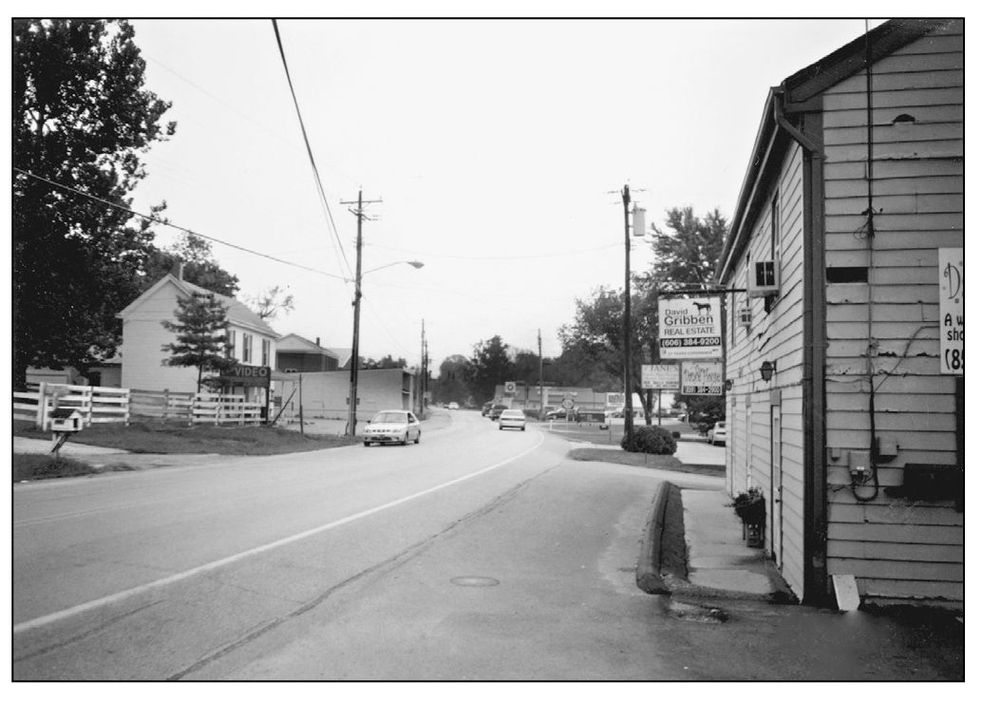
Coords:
pixel 951 281
pixel 663 377
pixel 690 328
pixel 702 378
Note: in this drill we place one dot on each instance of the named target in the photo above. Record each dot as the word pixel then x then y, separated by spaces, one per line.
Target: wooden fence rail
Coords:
pixel 99 404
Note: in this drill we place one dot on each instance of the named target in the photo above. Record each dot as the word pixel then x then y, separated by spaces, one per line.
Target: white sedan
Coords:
pixel 717 435
pixel 392 427
pixel 511 418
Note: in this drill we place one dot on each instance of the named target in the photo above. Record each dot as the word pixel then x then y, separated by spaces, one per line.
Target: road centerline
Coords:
pixel 231 559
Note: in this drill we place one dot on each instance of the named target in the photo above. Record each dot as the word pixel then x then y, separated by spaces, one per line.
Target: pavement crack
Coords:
pixel 381 567
pixel 87 633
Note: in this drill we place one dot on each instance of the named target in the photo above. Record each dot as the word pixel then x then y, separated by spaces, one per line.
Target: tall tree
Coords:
pixel 271 302
pixel 193 254
pixel 81 119
pixel 452 383
pixel 490 366
pixel 201 328
pixel 686 251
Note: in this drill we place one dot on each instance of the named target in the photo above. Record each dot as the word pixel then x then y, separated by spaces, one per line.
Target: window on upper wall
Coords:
pixel 265 360
pixel 246 348
pixel 230 346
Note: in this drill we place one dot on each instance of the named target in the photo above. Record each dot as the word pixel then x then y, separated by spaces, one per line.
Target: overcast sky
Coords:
pixel 496 146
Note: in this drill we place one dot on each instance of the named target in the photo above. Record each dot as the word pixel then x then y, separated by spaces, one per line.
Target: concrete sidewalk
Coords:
pixel 718 558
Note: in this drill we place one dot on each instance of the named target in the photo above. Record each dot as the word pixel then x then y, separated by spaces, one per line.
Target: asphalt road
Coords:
pixel 476 554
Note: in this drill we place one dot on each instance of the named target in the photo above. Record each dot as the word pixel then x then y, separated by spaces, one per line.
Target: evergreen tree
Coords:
pixel 202 335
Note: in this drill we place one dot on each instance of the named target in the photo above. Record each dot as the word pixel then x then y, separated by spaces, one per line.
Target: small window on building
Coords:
pixel 266 345
pixel 847 274
pixel 230 347
pixel 247 348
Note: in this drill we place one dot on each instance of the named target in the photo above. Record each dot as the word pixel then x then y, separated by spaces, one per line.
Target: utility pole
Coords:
pixel 426 370
pixel 422 362
pixel 359 213
pixel 542 400
pixel 628 394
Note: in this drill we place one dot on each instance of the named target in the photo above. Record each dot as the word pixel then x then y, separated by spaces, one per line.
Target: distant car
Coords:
pixel 616 417
pixel 486 409
pixel 511 418
pixel 392 427
pixel 558 414
pixel 717 435
pixel 496 411
pixel 454 406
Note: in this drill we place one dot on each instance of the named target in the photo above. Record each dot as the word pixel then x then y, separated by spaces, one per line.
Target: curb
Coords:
pixel 648 573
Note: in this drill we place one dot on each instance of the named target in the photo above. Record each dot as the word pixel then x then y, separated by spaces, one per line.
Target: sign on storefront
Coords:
pixel 244 375
pixel 951 280
pixel 702 378
pixel 690 328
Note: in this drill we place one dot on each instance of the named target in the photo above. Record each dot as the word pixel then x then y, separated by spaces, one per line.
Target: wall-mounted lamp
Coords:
pixel 729 384
pixel 767 370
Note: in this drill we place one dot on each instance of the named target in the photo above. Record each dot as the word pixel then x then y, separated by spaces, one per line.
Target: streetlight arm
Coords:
pixel 414 264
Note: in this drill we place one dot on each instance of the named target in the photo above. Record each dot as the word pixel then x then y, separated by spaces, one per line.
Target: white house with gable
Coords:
pixel 251 340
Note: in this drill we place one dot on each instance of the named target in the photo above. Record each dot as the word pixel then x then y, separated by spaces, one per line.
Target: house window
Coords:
pixel 230 347
pixel 266 345
pixel 246 348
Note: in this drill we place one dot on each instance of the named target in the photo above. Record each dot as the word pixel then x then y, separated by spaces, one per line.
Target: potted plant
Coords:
pixel 749 507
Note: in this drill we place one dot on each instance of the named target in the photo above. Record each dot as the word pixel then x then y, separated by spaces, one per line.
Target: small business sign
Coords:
pixel 690 328
pixel 509 388
pixel 664 377
pixel 951 281
pixel 702 378
pixel 244 375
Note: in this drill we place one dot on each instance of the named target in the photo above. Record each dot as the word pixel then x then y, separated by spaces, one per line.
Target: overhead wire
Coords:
pixel 310 153
pixel 160 221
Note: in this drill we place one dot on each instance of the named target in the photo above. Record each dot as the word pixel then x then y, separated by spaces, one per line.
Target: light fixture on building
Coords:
pixel 767 370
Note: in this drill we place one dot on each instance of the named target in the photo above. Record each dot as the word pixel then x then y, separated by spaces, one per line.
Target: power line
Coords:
pixel 153 218
pixel 310 153
pixel 496 258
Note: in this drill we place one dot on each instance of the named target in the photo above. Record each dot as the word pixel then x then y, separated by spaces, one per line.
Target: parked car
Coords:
pixel 454 406
pixel 558 414
pixel 392 427
pixel 496 411
pixel 511 418
pixel 616 417
pixel 717 435
pixel 486 408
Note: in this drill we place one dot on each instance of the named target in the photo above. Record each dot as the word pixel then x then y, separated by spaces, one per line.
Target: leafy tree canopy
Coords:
pixel 81 119
pixel 490 366
pixel 199 268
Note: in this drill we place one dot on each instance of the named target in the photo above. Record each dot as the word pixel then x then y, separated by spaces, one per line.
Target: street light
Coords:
pixel 353 386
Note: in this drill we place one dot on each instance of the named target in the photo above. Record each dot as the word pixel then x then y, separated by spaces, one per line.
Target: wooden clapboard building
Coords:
pixel 851 206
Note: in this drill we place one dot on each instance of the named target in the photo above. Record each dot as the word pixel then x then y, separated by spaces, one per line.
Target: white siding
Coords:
pixel 774 336
pixel 896 548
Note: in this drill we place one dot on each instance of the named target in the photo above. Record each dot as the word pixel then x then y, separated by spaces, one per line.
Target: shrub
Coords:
pixel 650 439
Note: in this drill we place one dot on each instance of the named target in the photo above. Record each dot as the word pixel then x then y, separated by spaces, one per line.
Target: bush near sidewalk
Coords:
pixel 650 439
pixel 158 437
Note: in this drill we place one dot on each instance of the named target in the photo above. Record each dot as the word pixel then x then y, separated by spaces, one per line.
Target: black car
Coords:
pixel 495 411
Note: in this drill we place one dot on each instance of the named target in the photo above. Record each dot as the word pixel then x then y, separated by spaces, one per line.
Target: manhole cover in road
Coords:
pixel 475 581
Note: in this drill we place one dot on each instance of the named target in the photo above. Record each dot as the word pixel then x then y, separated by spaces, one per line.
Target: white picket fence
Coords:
pixel 220 409
pixel 99 404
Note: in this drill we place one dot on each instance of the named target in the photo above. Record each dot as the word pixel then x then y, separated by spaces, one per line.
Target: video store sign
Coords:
pixel 690 328
pixel 244 375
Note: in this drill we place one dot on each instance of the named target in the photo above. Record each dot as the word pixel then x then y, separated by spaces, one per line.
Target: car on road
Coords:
pixel 496 411
pixel 454 406
pixel 512 418
pixel 717 435
pixel 559 414
pixel 392 427
pixel 486 408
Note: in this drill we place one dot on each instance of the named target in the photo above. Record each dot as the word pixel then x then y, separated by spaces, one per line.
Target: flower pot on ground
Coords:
pixel 749 507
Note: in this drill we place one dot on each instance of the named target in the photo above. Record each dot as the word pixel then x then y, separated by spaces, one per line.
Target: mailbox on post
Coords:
pixel 64 423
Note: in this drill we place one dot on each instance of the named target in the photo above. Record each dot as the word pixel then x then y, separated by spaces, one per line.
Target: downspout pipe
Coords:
pixel 782 121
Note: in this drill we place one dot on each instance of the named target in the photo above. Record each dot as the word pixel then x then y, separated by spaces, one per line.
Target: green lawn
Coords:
pixel 155 437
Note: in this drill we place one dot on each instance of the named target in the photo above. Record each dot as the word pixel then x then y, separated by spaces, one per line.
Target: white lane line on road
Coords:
pixel 174 578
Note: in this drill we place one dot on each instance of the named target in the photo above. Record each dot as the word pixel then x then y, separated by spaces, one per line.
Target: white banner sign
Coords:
pixel 663 377
pixel 690 328
pixel 951 280
pixel 702 378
